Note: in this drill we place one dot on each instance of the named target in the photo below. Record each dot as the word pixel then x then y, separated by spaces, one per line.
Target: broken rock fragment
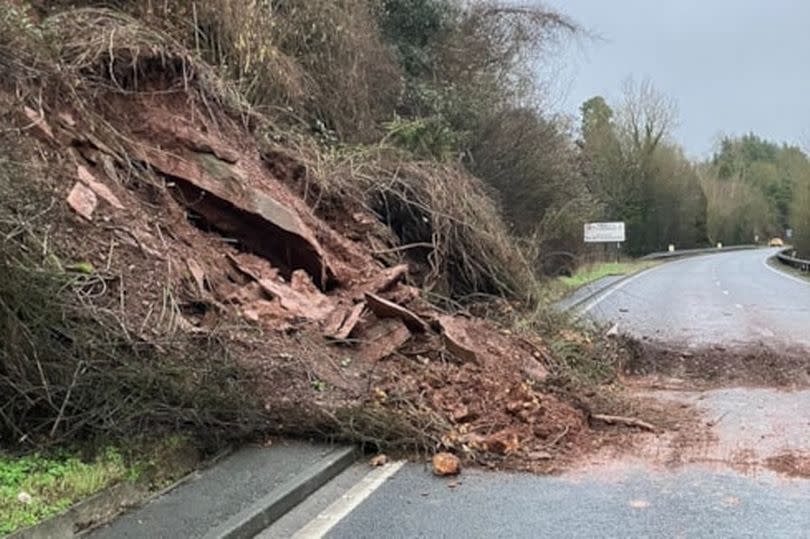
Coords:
pixel 505 442
pixel 382 339
pixel 341 322
pixel 83 200
pixel 197 273
pixel 386 279
pixel 456 339
pixel 445 464
pixel 260 219
pixel 99 188
pixel 38 123
pixel 388 309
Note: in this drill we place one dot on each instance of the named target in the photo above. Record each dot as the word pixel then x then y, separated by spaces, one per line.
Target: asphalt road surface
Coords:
pixel 630 503
pixel 732 298
pixel 612 501
pixel 729 298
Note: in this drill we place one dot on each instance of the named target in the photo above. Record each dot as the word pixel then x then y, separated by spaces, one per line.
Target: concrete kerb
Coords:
pixel 251 521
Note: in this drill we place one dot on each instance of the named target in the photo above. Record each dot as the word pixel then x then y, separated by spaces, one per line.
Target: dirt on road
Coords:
pixel 745 409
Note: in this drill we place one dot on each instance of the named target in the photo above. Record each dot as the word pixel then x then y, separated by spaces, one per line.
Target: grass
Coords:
pixel 37 486
pixel 593 272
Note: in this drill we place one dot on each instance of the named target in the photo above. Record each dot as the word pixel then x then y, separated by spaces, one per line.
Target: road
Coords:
pixel 729 298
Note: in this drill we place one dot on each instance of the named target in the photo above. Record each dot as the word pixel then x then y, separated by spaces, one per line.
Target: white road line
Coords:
pixel 739 306
pixel 782 273
pixel 725 292
pixel 609 292
pixel 329 517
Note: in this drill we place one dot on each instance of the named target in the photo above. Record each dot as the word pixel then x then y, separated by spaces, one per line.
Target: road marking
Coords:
pixel 782 273
pixel 725 292
pixel 609 292
pixel 329 517
pixel 738 306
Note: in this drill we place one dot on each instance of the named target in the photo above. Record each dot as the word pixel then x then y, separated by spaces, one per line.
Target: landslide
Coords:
pixel 243 282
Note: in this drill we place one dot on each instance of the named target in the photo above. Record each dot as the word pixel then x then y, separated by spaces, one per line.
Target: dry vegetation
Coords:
pixel 169 309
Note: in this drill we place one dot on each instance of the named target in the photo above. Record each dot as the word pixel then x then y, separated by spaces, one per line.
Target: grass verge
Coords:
pixel 593 272
pixel 36 486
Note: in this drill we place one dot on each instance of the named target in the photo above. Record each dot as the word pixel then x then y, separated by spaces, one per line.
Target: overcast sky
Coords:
pixel 732 66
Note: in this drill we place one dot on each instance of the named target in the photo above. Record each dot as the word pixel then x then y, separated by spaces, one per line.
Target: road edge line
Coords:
pixel 784 274
pixel 338 510
pixel 251 521
pixel 577 309
pixel 618 285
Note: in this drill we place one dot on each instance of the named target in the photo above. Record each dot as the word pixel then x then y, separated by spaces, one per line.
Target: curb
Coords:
pixel 599 289
pixel 252 520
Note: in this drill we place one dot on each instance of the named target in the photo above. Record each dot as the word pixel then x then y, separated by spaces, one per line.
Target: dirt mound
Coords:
pixel 165 195
pixel 337 341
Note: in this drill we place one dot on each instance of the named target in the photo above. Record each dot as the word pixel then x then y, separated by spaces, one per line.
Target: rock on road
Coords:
pixel 722 299
pixel 732 298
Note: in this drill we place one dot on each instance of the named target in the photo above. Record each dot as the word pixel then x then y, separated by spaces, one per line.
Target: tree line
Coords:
pixel 455 81
pixel 471 95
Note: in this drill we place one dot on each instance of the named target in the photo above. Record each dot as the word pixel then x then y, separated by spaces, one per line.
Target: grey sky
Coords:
pixel 732 66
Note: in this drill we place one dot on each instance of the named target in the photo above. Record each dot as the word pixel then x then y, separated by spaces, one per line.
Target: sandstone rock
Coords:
pixel 445 464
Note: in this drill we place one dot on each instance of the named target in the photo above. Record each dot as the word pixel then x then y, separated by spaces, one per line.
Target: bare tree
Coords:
pixel 646 116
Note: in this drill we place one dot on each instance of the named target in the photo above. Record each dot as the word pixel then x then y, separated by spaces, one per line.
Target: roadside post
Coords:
pixel 608 232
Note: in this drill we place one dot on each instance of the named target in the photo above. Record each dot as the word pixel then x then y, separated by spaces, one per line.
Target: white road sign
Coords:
pixel 604 232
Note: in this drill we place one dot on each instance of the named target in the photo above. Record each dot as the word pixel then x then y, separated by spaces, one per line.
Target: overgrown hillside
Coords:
pixel 316 217
pixel 212 224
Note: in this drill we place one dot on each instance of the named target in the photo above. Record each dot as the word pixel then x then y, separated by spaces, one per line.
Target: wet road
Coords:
pixel 728 298
pixel 626 503
pixel 722 486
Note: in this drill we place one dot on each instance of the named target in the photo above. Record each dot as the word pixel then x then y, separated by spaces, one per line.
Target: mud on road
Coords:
pixel 745 409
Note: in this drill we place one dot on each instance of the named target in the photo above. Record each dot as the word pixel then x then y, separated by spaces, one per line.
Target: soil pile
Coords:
pixel 192 225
